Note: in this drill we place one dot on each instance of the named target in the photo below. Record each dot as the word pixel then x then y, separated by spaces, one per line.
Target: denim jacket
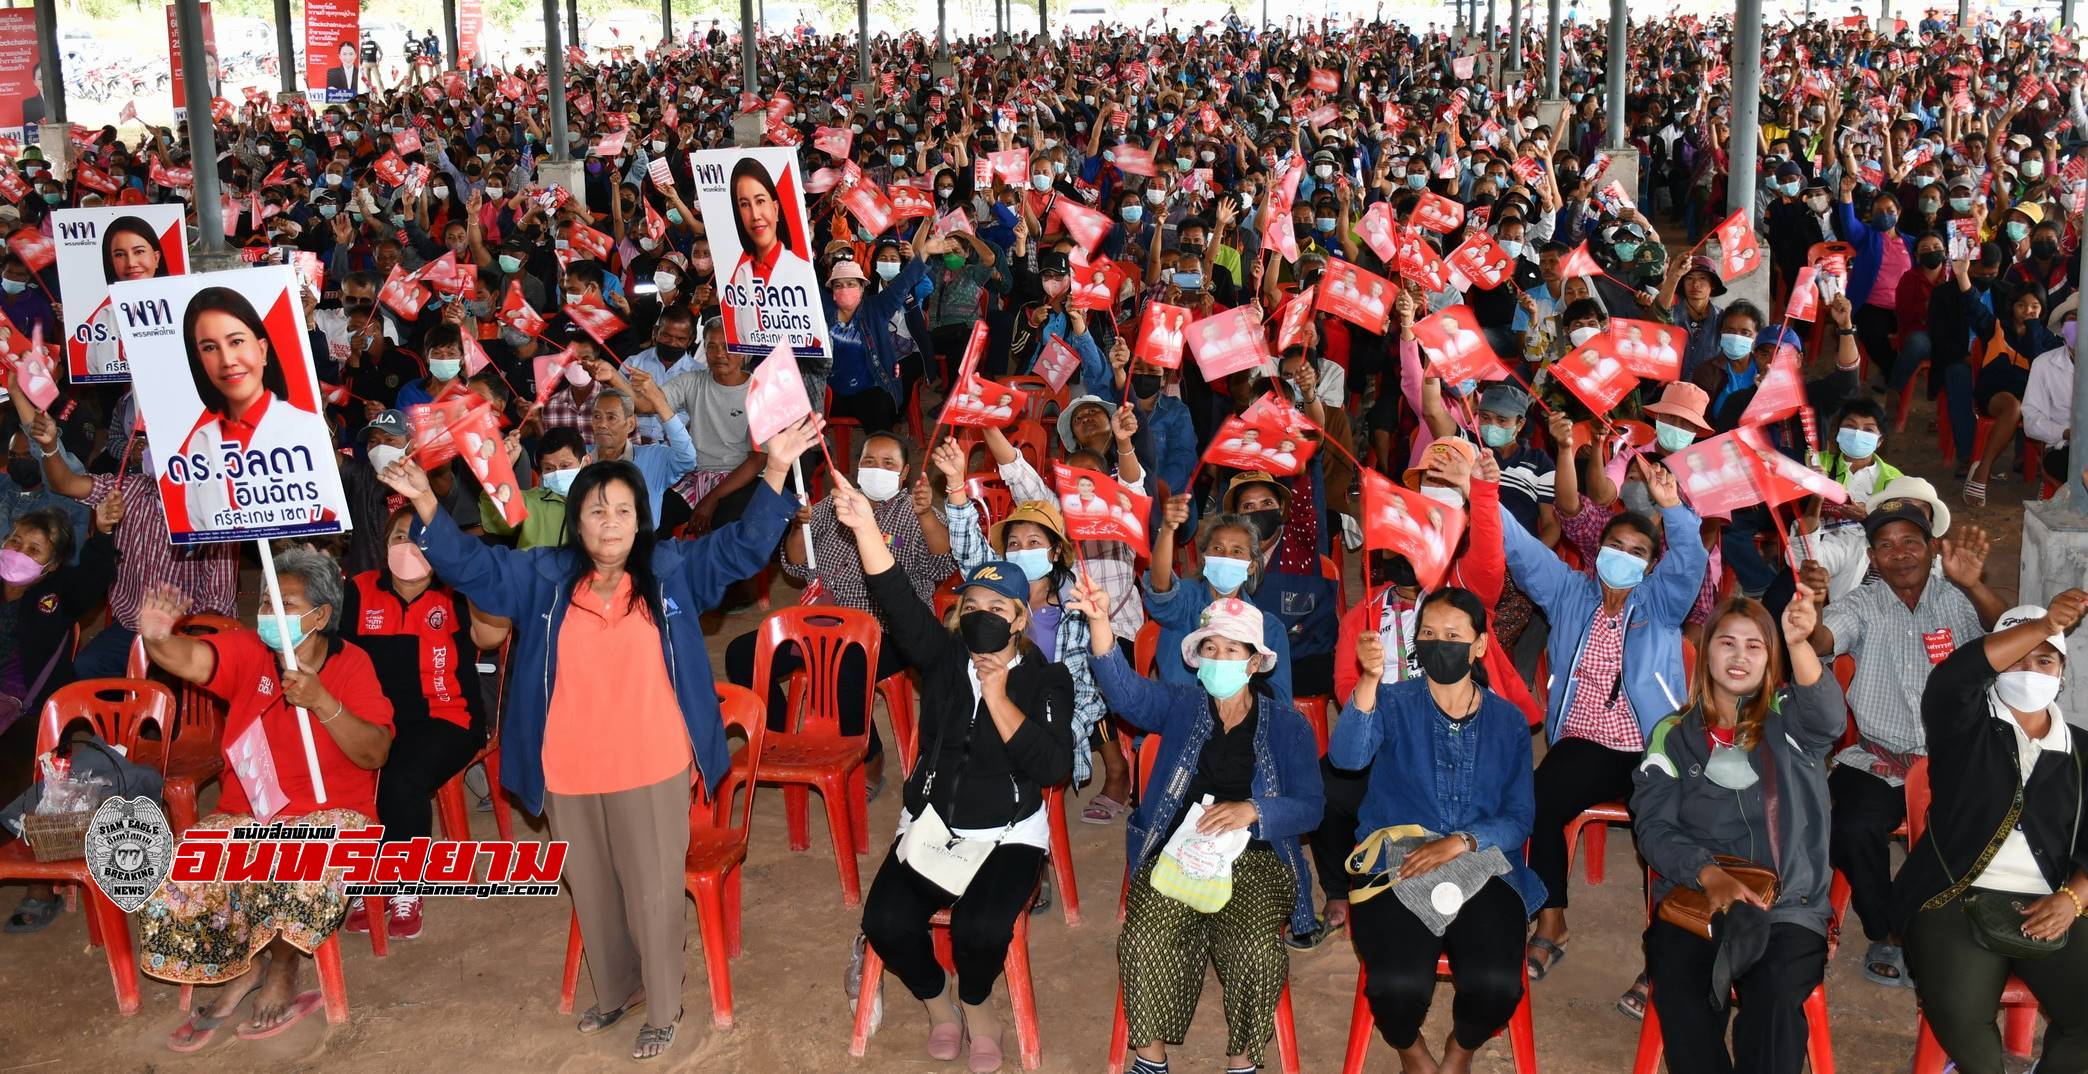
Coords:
pixel 1287 793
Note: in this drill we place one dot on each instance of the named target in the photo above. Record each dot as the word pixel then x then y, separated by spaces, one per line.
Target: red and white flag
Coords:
pixel 1057 363
pixel 591 243
pixel 1650 351
pixel 402 295
pixel 1010 166
pixel 1593 372
pixel 599 321
pixel 1161 335
pixel 516 313
pixel 1097 508
pixel 551 370
pixel 909 203
pixel 1134 160
pixel 1717 476
pixel 1377 228
pixel 1455 348
pixel 1087 226
pixel 1425 531
pixel 1579 263
pixel 1297 313
pixel 1229 342
pixel 1780 394
pixel 983 404
pixel 32 370
pixel 34 248
pixel 833 141
pixel 1738 253
pixel 1437 213
pixel 1358 296
pixel 1804 304
pixel 1481 261
pixel 776 398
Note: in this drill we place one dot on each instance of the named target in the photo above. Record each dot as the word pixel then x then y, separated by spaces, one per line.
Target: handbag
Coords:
pixel 1195 868
pixel 1689 909
pixel 1997 916
pixel 930 848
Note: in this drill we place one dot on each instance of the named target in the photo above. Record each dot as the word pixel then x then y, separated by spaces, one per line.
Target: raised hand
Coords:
pixel 109 513
pixel 851 507
pixel 162 606
pixel 1660 482
pixel 950 461
pixel 1965 556
pixel 1370 654
pixel 1800 616
pixel 785 447
pixel 2065 611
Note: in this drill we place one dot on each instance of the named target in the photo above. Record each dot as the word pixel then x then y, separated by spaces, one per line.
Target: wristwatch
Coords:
pixel 1471 844
pixel 1844 331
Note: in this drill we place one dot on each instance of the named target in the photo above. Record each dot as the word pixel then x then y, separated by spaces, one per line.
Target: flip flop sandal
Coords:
pixel 1102 809
pixel 300 1007
pixel 1554 953
pixel 653 1041
pixel 1318 936
pixel 1885 964
pixel 1975 491
pixel 1043 900
pixel 1632 1004
pixel 33 914
pixel 594 1020
pixel 195 1034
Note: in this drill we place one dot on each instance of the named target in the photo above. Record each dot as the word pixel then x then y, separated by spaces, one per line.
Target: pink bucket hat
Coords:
pixel 1235 620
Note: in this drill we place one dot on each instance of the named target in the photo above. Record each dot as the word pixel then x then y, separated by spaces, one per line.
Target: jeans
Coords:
pixel 1770 1034
pixel 106 655
pixel 1914 349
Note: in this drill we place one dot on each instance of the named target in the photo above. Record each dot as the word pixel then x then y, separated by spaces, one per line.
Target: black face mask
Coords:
pixel 1444 662
pixel 1396 569
pixel 1267 524
pixel 2044 249
pixel 668 354
pixel 983 631
pixel 1145 385
pixel 27 474
pixel 1930 259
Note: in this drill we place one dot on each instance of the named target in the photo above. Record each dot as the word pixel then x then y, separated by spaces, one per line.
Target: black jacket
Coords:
pixel 1972 775
pixel 972 787
pixel 52 605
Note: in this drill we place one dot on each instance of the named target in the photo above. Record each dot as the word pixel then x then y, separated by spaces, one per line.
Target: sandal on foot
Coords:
pixel 1541 965
pixel 195 1034
pixel 985 1054
pixel 1885 964
pixel 33 914
pixel 1102 809
pixel 1975 491
pixel 945 1041
pixel 303 1005
pixel 1043 900
pixel 1632 1004
pixel 594 1020
pixel 653 1041
pixel 1308 941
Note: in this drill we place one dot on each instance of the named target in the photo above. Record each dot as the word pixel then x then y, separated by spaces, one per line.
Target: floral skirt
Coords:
pixel 208 932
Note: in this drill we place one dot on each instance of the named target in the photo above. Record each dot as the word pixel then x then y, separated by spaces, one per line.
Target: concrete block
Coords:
pixel 943 69
pixel 748 129
pixel 1553 114
pixel 567 175
pixel 1624 168
pixel 56 143
pixel 2055 559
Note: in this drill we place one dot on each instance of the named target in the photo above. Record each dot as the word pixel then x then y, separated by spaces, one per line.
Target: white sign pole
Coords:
pixel 304 719
pixel 797 470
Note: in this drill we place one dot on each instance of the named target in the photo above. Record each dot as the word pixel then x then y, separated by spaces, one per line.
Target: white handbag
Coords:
pixel 928 847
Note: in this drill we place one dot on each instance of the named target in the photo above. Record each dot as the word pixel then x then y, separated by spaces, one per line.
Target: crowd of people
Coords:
pixel 1589 617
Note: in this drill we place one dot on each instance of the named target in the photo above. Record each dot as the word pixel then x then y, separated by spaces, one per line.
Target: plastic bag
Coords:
pixel 1195 869
pixel 66 792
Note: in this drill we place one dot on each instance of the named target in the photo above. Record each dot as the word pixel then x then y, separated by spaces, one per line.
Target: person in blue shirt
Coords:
pixel 1452 757
pixel 669 357
pixel 1166 442
pixel 615 420
pixel 1227 548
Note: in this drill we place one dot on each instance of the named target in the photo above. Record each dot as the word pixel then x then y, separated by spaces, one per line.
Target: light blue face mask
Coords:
pixel 1627 251
pixel 1497 436
pixel 1619 569
pixel 509 264
pixel 559 482
pixel 1225 575
pixel 1035 562
pixel 445 368
pixel 1416 180
pixel 265 625
pixel 14 287
pixel 1735 345
pixel 1672 438
pixel 1223 678
pixel 1133 213
pixel 1857 443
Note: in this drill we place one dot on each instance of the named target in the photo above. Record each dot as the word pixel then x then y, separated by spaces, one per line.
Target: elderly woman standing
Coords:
pixel 613 702
pixel 996 729
pixel 250 935
pixel 1249 762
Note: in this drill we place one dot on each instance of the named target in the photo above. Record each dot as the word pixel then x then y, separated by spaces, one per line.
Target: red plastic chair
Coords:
pixel 1314 709
pixel 1332 572
pixel 717 849
pixel 1032 444
pixel 449 798
pixel 1983 430
pixel 1145 647
pixel 197 757
pixel 2018 1005
pixel 843 430
pixel 814 753
pixel 1819 1042
pixel 1590 831
pixel 995 501
pixel 1148 755
pixel 1041 396
pixel 1021 995
pixel 1522 1032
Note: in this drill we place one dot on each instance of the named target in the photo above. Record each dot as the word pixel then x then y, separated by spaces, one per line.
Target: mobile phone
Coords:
pixel 644 288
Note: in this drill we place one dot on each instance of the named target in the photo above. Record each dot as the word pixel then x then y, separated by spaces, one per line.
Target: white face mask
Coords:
pixel 383 455
pixel 1580 335
pixel 878 484
pixel 665 281
pixel 2027 691
pixel 1443 495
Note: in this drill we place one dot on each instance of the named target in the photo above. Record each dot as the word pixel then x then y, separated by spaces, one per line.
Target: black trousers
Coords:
pixel 982 922
pixel 1485 945
pixel 1769 1034
pixel 739 670
pixel 1866 810
pixel 1335 837
pixel 425 754
pixel 1313 676
pixel 873 407
pixel 1875 326
pixel 1574 775
pixel 1960 986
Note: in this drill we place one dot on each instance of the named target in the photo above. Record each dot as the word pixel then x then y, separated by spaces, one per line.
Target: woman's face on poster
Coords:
pixel 757 211
pixel 233 357
pixel 132 257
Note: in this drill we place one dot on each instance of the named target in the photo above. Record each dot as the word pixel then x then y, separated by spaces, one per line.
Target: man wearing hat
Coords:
pixel 1800 216
pixel 1696 314
pixel 1895 627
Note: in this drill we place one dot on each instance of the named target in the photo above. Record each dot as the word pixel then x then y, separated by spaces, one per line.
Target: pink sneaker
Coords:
pixel 404 913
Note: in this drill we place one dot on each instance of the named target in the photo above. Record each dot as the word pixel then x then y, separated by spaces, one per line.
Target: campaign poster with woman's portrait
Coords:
pixel 223 376
pixel 769 289
pixel 98 248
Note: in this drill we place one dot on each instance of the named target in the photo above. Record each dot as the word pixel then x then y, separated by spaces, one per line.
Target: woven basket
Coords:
pixel 56 836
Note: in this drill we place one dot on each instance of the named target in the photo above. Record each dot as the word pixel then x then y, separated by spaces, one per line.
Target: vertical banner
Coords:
pixel 470 16
pixel 177 84
pixel 98 248
pixel 332 51
pixel 221 367
pixel 21 94
pixel 770 292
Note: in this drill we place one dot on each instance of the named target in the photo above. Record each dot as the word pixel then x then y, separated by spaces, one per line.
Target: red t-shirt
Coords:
pixel 247 679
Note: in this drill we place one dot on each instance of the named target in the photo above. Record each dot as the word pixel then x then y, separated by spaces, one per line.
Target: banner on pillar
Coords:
pixel 21 98
pixel 332 51
pixel 96 249
pixel 470 18
pixel 770 293
pixel 177 84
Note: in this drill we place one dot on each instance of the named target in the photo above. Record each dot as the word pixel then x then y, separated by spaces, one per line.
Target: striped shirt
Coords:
pixel 208 574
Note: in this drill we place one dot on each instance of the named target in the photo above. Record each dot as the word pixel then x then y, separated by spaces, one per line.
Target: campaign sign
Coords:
pixel 768 287
pixel 97 248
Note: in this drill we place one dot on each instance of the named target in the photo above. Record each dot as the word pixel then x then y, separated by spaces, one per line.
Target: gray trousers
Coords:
pixel 624 864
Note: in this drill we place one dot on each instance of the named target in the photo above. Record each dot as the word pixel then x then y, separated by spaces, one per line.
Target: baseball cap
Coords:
pixel 1444 448
pixel 388 422
pixel 1000 576
pixel 2029 613
pixel 1505 399
pixel 1910 509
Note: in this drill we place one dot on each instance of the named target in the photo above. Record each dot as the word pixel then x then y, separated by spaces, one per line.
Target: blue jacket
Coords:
pixel 874 320
pixel 1653 675
pixel 533 589
pixel 1475 779
pixel 1870 252
pixel 1287 791
pixel 1180 609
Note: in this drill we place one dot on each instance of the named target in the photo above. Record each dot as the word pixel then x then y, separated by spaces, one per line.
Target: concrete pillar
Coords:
pixel 1515 37
pixel 666 19
pixel 1551 51
pixel 750 48
pixel 942 31
pixel 1746 103
pixel 862 40
pixel 1490 24
pixel 1044 21
pixel 555 75
pixel 2077 458
pixel 748 129
pixel 55 139
pixel 1616 77
pixel 286 48
pixel 573 21
pixel 452 52
pixel 210 212
pixel 51 59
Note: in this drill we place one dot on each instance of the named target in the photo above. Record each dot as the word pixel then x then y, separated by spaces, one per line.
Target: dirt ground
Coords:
pixel 479 990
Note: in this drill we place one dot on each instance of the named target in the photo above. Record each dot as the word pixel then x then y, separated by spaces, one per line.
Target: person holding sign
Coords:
pixel 252 936
pixel 603 741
